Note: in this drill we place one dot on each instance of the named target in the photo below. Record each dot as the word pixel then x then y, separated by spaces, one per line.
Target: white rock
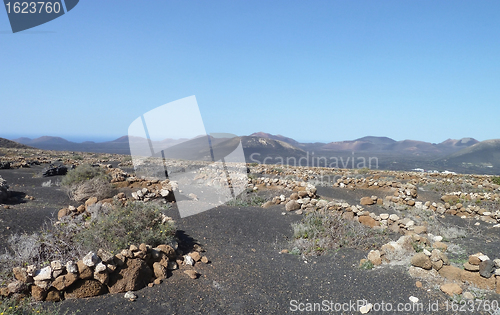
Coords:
pixel 366 308
pixel 483 257
pixel 188 260
pixel 56 265
pixel 426 252
pixel 91 259
pixel 437 238
pixel 414 299
pixel 100 267
pixel 394 217
pixel 384 216
pixel 164 192
pixel 130 295
pixel 71 267
pixel 497 262
pixel 43 274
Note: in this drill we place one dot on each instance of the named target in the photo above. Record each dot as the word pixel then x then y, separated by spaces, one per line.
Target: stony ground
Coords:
pixel 248 274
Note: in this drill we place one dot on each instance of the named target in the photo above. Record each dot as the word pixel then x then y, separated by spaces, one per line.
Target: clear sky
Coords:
pixel 310 70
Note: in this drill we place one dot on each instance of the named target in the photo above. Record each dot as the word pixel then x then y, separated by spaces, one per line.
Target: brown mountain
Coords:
pixel 5 143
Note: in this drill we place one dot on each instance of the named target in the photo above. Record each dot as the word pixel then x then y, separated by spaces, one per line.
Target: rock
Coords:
pixel 91 201
pixel 64 281
pixel 487 268
pixel 100 267
pixel 421 260
pixel 133 275
pixel 268 204
pixel 366 201
pixel 43 274
pixel 84 271
pixel 420 229
pixel 16 286
pixel 394 217
pixel 384 216
pixel 368 221
pixel 191 273
pixel 44 284
pixel 437 264
pixel 477 280
pixel 37 293
pixel 468 295
pixel 418 284
pixel 374 257
pixel 366 308
pixel 20 274
pixel 292 205
pixel 91 259
pixel 469 267
pixel 167 250
pixel 451 289
pixel 105 256
pixel 130 296
pixel 53 295
pixel 84 289
pixel 54 170
pixel 188 260
pixel 159 271
pixel 62 213
pixel 195 255
pixel 205 260
pixel 102 277
pixel 71 267
pixel 451 273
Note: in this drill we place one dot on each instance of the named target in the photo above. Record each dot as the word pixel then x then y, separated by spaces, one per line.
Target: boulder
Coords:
pixel 64 281
pixel 54 170
pixel 451 289
pixel 37 293
pixel 133 275
pixel 487 268
pixel 159 271
pixel 451 273
pixel 368 221
pixel 292 205
pixel 421 260
pixel 84 289
pixel 366 201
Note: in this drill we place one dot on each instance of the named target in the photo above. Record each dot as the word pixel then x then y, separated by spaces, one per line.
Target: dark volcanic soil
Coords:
pixel 247 273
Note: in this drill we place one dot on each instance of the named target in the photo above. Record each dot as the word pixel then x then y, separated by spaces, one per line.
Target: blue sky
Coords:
pixel 310 70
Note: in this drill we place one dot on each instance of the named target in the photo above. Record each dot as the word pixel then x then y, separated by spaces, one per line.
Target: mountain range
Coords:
pixel 465 155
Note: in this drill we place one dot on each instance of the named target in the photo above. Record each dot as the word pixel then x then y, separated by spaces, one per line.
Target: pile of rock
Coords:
pixel 4 189
pixel 479 271
pixel 102 272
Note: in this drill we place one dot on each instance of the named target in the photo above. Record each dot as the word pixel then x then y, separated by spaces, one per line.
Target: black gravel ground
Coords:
pixel 247 273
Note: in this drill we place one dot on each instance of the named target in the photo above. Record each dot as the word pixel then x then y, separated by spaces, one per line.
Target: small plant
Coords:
pixel 363 171
pixel 86 181
pixel 496 180
pixel 417 246
pixel 367 265
pixel 246 200
pixel 135 223
pixel 78 157
pixel 321 232
pixel 254 164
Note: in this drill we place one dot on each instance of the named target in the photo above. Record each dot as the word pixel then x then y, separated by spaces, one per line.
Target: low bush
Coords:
pixel 321 232
pixel 135 223
pixel 113 230
pixel 496 180
pixel 86 181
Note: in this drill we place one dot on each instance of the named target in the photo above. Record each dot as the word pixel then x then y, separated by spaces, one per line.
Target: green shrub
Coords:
pixel 83 173
pixel 367 265
pixel 246 200
pixel 496 180
pixel 135 223
pixel 86 181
